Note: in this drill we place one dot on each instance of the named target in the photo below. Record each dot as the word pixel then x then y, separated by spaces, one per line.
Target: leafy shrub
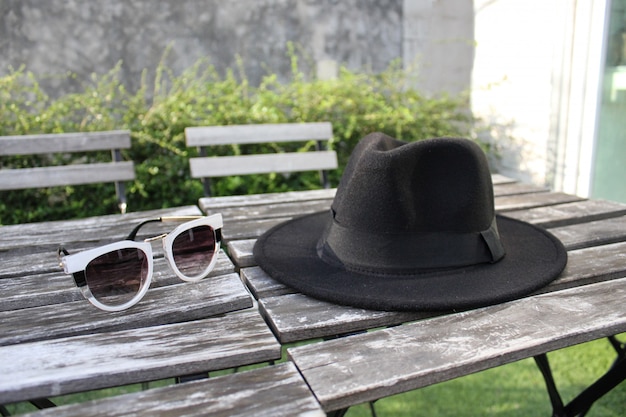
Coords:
pixel 355 103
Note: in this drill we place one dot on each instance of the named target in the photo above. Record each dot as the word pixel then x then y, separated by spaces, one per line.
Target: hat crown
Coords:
pixel 434 185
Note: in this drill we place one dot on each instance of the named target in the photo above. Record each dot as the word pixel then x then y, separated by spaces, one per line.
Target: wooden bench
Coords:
pixel 219 166
pixel 116 171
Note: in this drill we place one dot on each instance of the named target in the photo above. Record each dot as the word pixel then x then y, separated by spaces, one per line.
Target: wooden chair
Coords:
pixel 219 166
pixel 115 171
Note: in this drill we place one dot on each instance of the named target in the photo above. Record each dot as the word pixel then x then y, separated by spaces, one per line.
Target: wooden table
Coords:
pixel 54 342
pixel 585 303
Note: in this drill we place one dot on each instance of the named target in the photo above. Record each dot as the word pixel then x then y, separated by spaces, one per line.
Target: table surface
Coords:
pixel 53 342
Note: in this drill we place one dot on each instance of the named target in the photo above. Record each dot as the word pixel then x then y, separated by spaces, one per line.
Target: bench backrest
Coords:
pixel 220 166
pixel 115 171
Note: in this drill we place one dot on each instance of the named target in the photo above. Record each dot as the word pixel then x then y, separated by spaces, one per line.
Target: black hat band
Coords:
pixel 397 254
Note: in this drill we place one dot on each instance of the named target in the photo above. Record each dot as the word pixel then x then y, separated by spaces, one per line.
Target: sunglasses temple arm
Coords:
pixel 133 234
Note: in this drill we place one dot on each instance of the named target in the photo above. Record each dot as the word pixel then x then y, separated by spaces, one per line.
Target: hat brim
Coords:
pixel 534 258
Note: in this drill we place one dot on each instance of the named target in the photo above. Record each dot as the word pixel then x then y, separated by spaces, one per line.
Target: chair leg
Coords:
pixel 558 410
pixel 580 405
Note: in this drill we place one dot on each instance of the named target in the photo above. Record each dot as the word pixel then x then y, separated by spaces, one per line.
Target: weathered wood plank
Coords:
pixel 163 305
pixel 262 285
pixel 513 188
pixel 591 265
pixel 377 364
pixel 527 201
pixel 113 226
pixel 64 142
pixel 240 252
pixel 236 201
pixel 238 205
pixel 570 213
pixel 249 229
pixel 600 232
pixel 26 291
pixel 257 133
pixel 15 263
pixel 54 176
pixel 580 230
pixel 269 211
pixel 497 179
pixel 61 366
pixel 222 166
pixel 273 391
pixel 296 317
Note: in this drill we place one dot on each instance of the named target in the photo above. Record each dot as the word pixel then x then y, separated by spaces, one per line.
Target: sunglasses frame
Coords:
pixel 76 264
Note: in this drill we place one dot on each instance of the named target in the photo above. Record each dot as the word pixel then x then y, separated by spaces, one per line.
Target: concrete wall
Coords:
pixel 83 36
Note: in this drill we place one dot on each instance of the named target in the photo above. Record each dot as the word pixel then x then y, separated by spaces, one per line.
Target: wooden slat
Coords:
pixel 240 252
pixel 497 179
pixel 56 367
pixel 262 285
pixel 16 264
pixel 17 179
pixel 249 229
pixel 91 229
pixel 516 188
pixel 262 164
pixel 296 317
pixel 257 133
pixel 252 228
pixel 527 201
pixel 591 265
pixel 64 142
pixel 296 207
pixel 600 232
pixel 217 397
pixel 377 364
pixel 570 213
pixel 236 201
pixel 169 304
pixel 26 291
pixel 270 211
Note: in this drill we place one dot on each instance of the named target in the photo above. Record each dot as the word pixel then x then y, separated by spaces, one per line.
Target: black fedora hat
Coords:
pixel 412 227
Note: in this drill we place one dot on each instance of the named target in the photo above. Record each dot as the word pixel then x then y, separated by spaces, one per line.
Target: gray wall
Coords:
pixel 83 36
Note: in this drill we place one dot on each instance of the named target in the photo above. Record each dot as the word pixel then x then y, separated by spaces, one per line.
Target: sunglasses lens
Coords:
pixel 116 277
pixel 193 250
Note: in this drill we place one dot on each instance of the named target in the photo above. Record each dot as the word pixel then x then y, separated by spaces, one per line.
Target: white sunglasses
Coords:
pixel 116 276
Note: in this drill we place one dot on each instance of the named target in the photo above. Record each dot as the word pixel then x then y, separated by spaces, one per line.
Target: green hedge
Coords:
pixel 157 114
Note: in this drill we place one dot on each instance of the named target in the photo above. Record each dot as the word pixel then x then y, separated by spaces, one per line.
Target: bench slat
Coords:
pixel 262 164
pixel 64 142
pixel 257 133
pixel 61 366
pixel 16 179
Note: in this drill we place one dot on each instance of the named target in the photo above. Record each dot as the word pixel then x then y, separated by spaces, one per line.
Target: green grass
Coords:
pixel 512 390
